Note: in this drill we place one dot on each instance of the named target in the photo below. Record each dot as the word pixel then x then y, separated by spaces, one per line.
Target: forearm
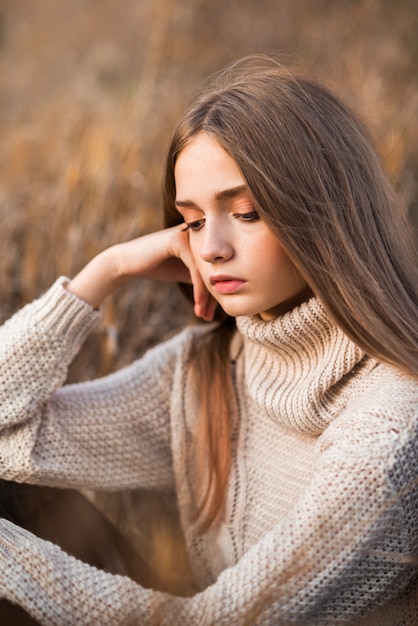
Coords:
pixel 277 581
pixel 110 433
pixel 36 347
pixel 97 280
pixel 152 256
pixel 164 255
pixel 56 588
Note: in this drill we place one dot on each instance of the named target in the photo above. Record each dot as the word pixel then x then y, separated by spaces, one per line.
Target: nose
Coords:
pixel 216 246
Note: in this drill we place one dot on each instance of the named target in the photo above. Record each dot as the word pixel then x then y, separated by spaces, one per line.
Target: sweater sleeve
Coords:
pixel 349 544
pixel 110 433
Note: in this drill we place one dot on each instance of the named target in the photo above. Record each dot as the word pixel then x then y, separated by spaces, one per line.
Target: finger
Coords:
pixel 204 303
pixel 211 306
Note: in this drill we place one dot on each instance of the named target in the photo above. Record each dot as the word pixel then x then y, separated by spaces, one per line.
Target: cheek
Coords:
pixel 267 252
pixel 275 263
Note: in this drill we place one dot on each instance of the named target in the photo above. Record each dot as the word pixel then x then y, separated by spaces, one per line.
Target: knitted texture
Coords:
pixel 321 517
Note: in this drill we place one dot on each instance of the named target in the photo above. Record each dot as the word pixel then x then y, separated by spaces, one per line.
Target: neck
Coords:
pixel 298 366
pixel 287 305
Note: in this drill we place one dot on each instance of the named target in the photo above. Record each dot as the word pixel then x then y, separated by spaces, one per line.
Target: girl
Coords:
pixel 287 427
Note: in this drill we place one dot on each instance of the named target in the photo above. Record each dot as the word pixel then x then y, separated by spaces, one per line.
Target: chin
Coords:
pixel 239 311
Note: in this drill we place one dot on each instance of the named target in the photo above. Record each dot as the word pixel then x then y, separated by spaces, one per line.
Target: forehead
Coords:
pixel 204 164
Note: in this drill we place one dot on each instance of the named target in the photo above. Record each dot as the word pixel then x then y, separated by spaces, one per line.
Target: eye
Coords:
pixel 195 225
pixel 253 216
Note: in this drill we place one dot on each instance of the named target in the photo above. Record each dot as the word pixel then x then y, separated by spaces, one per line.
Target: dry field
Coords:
pixel 89 92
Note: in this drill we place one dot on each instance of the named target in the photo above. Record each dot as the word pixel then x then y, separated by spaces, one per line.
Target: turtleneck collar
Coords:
pixel 298 367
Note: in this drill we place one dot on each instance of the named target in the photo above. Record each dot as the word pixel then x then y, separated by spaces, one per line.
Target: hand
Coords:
pixel 163 255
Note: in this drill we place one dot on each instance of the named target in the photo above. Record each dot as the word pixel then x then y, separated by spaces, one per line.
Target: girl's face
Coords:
pixel 239 258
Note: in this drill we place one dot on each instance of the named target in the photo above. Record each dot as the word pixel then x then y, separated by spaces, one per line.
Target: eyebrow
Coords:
pixel 225 194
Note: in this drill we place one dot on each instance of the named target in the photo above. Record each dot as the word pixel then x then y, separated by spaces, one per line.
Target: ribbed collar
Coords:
pixel 298 367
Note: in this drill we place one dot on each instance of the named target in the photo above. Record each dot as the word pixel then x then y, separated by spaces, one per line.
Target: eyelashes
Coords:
pixel 252 216
pixel 196 225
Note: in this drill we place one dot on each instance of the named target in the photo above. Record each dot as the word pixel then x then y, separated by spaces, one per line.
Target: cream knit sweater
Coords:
pixel 321 521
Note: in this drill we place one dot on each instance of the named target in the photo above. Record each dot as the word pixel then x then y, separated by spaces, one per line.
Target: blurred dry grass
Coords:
pixel 89 92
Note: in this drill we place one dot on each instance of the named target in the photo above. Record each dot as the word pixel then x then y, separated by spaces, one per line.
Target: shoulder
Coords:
pixel 383 412
pixel 387 392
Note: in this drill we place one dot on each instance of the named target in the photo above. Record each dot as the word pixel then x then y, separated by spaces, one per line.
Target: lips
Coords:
pixel 226 284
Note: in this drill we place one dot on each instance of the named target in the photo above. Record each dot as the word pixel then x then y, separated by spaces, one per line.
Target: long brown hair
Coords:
pixel 316 179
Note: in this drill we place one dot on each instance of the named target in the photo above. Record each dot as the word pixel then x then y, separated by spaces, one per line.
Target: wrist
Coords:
pixel 98 279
